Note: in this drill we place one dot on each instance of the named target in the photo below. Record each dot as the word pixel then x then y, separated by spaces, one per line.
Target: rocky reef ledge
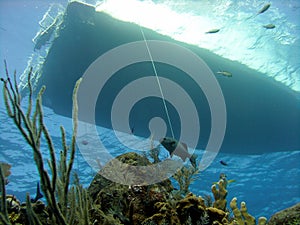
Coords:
pixel 157 204
pixel 287 216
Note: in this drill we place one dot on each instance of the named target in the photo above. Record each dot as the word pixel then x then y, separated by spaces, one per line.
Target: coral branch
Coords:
pixel 220 193
pixel 32 127
pixel 3 207
pixel 241 216
pixel 32 217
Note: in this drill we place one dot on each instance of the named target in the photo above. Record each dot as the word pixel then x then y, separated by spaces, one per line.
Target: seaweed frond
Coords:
pixel 154 154
pixel 3 206
pixel 80 204
pixel 31 125
pixel 184 177
pixel 31 216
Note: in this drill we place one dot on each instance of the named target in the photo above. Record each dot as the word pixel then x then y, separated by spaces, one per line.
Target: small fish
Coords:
pixel 172 144
pixel 84 142
pixel 265 8
pixel 193 161
pixel 38 194
pixel 269 26
pixel 225 73
pixel 223 163
pixel 99 163
pixel 223 177
pixel 212 31
pixel 131 130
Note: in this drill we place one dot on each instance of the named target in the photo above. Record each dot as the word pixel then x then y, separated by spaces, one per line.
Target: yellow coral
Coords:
pixel 217 215
pixel 236 212
pixel 220 195
pixel 262 220
pixel 241 216
pixel 250 220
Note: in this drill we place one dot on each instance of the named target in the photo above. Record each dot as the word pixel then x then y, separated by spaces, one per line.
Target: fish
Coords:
pixel 269 26
pixel 132 130
pixel 194 161
pixel 172 144
pixel 38 194
pixel 5 170
pixel 263 9
pixel 84 142
pixel 1 28
pixel 212 31
pixel 225 73
pixel 223 177
pixel 223 163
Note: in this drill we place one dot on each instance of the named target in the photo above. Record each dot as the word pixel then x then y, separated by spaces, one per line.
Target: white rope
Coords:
pixel 158 82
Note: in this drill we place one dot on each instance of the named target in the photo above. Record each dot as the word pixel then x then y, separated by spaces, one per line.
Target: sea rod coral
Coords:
pixel 30 123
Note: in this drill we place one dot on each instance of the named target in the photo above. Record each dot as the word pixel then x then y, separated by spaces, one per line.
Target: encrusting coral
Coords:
pixel 289 216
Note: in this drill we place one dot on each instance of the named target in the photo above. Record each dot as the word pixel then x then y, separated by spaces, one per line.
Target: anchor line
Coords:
pixel 158 82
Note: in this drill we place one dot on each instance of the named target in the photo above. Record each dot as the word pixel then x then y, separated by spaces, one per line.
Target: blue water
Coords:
pixel 267 182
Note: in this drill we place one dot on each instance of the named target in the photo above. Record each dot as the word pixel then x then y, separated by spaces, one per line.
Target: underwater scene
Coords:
pixel 150 112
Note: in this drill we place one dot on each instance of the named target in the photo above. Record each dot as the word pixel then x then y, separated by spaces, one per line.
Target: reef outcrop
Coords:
pixel 157 204
pixel 130 204
pixel 160 203
pixel 290 216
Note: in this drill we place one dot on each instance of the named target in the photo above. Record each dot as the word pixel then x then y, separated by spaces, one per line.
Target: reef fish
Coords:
pixel 225 73
pixel 265 8
pixel 223 177
pixel 172 144
pixel 269 26
pixel 223 163
pixel 38 194
pixel 132 130
pixel 212 31
pixel 84 142
pixel 178 148
pixel 262 10
pixel 194 161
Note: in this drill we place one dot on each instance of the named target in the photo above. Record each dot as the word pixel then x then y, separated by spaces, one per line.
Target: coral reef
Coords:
pixel 130 204
pixel 105 202
pixel 289 216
